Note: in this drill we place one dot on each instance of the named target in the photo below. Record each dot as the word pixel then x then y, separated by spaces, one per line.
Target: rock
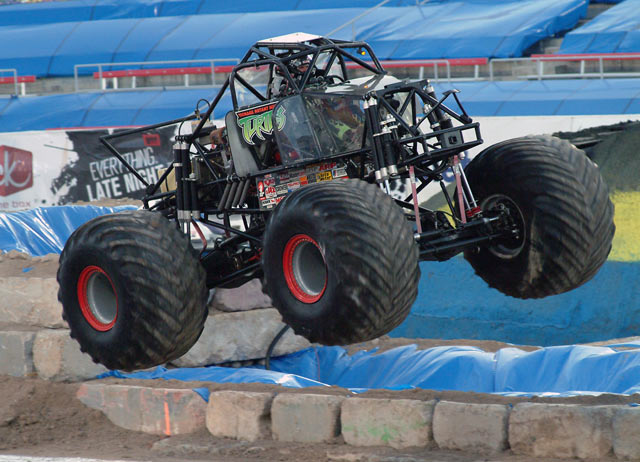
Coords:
pixel 240 336
pixel 306 418
pixel 56 356
pixel 476 428
pixel 158 411
pixel 30 301
pixel 240 415
pixel 399 423
pixel 626 433
pixel 16 353
pixel 561 430
pixel 244 298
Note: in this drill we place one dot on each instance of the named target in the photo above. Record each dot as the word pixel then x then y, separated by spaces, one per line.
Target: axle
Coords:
pixel 442 244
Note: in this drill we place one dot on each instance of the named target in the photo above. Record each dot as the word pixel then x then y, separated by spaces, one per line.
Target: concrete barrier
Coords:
pixel 477 428
pixel 158 411
pixel 31 302
pixel 240 415
pixel 240 336
pixel 56 356
pixel 306 418
pixel 399 423
pixel 529 430
pixel 561 430
pixel 16 353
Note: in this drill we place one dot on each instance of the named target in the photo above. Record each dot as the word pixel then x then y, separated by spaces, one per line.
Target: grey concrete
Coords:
pixel 240 415
pixel 247 297
pixel 626 432
pixel 30 301
pixel 56 356
pixel 477 428
pixel 306 418
pixel 16 356
pixel 158 411
pixel 240 336
pixel 399 423
pixel 561 430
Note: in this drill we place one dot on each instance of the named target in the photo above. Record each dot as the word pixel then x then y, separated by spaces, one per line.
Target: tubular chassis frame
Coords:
pixel 394 147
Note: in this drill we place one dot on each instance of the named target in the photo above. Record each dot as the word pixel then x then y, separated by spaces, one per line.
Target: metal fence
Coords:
pixel 105 70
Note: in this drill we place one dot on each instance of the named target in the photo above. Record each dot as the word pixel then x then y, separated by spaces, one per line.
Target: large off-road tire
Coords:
pixel 132 290
pixel 340 262
pixel 558 198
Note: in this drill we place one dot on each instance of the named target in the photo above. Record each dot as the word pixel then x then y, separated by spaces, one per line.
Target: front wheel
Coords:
pixel 340 262
pixel 132 290
pixel 558 204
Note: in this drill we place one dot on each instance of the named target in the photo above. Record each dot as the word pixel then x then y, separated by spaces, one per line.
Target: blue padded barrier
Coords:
pixel 614 31
pixel 455 303
pixel 453 29
pixel 555 371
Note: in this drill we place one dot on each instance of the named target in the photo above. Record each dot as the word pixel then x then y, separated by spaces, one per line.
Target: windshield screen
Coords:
pixel 318 126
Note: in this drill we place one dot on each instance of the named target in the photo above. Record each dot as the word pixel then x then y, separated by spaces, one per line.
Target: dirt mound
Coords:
pixel 42 417
pixel 615 149
pixel 18 264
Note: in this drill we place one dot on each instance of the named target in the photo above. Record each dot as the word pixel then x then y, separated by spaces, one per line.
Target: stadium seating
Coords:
pixel 171 30
pixel 617 30
pixel 136 107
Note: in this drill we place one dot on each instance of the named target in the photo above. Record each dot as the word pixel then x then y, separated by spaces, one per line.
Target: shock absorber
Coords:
pixel 178 148
pixel 371 112
pixel 387 132
pixel 441 119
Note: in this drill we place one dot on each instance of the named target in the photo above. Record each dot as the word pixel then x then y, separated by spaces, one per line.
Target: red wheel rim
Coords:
pixel 97 298
pixel 305 269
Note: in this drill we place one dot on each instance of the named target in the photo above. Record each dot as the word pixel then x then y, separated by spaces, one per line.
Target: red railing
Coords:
pixel 228 68
pixel 21 79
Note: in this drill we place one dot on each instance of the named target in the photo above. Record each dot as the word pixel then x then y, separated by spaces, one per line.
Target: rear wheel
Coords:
pixel 559 206
pixel 132 290
pixel 340 262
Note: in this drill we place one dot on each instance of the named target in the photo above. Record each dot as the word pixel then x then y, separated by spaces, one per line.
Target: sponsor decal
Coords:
pixel 270 192
pixel 16 170
pixel 276 187
pixel 257 122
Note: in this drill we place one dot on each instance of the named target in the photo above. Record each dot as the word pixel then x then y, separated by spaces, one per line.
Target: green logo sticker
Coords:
pixel 257 121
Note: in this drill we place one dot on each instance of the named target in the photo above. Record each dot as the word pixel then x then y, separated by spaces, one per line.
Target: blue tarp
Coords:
pixel 452 29
pixel 555 371
pixel 45 229
pixel 137 107
pixel 617 30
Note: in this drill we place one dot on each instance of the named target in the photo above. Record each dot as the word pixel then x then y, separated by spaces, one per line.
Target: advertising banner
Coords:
pixel 63 167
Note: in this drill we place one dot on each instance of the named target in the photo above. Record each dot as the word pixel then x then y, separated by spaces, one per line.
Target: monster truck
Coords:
pixel 294 190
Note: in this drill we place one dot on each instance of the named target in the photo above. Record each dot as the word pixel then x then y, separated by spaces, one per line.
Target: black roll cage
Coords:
pixel 429 161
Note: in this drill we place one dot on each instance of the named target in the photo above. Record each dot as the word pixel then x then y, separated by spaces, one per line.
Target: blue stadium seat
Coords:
pixel 439 29
pixel 614 31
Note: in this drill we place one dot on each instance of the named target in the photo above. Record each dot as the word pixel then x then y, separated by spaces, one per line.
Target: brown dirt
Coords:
pixel 40 417
pixel 18 264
